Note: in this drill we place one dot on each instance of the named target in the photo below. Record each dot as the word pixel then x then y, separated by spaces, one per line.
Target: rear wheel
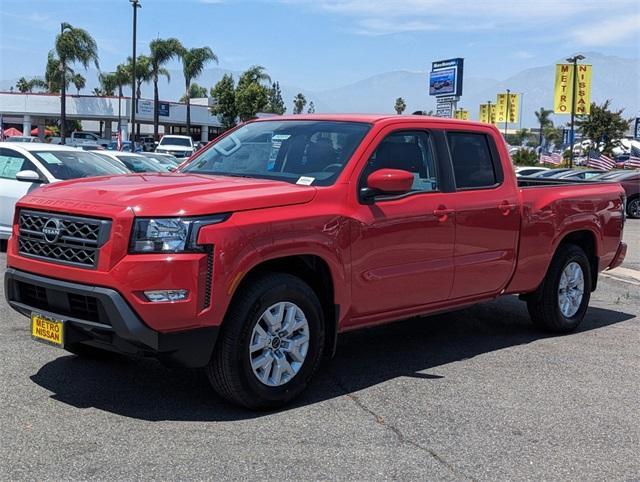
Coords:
pixel 562 300
pixel 271 343
pixel 633 208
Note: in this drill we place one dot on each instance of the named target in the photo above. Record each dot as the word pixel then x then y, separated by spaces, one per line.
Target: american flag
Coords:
pixel 554 158
pixel 600 161
pixel 634 159
pixel 119 140
pixel 1 129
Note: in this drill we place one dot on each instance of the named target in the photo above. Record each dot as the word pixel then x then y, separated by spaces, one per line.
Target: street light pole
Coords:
pixel 132 138
pixel 573 60
pixel 63 93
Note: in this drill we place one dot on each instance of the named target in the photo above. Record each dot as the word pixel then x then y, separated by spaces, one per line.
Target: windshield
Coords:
pixel 302 152
pixel 141 164
pixel 65 165
pixel 175 141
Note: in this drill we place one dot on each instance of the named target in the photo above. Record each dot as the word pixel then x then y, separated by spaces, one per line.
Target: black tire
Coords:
pixel 543 305
pixel 633 208
pixel 230 372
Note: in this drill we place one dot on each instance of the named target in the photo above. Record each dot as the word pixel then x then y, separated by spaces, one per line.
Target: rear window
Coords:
pixel 175 141
pixel 473 165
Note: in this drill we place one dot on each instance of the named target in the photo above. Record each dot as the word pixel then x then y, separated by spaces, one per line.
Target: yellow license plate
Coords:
pixel 47 329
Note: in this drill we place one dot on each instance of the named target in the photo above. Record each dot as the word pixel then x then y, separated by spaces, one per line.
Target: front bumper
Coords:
pixel 101 317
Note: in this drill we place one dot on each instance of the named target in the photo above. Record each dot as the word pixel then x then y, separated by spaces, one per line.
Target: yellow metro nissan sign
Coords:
pixel 563 91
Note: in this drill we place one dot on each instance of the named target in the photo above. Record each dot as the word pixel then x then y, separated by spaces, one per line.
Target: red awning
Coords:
pixel 47 132
pixel 12 131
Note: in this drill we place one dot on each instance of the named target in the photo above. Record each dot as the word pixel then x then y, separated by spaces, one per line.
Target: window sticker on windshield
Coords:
pixel 11 168
pixel 305 181
pixel 49 158
pixel 276 144
pixel 281 137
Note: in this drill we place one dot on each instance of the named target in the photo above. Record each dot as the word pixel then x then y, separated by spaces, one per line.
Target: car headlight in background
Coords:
pixel 169 235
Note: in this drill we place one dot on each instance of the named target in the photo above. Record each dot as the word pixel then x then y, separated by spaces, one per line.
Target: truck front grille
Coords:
pixel 61 238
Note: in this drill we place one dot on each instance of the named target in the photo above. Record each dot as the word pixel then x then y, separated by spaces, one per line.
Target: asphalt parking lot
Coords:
pixel 475 394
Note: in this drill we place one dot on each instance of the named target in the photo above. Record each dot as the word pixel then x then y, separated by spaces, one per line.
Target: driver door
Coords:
pixel 402 246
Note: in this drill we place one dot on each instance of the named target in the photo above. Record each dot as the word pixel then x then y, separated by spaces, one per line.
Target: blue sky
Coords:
pixel 318 44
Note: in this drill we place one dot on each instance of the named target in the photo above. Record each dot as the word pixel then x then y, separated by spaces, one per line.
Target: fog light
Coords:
pixel 158 296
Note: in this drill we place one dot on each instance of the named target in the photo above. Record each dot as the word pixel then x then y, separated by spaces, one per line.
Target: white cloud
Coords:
pixel 609 31
pixel 379 17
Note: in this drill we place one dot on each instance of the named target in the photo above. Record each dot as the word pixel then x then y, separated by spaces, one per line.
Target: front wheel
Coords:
pixel 271 343
pixel 633 208
pixel 562 300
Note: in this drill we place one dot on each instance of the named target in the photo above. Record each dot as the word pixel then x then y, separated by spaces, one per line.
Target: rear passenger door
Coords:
pixel 487 216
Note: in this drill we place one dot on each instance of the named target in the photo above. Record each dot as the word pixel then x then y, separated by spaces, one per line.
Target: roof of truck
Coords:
pixel 368 118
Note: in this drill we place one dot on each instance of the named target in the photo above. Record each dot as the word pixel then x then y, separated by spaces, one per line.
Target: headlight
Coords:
pixel 169 235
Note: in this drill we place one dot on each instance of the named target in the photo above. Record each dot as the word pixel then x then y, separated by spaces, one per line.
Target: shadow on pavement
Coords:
pixel 147 390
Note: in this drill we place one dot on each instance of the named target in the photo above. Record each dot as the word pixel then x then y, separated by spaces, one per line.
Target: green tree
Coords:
pixel 73 45
pixel 162 51
pixel 543 121
pixel 553 135
pixel 299 101
pixel 22 85
pixel 524 157
pixel 224 97
pixel 143 72
pixel 79 82
pixel 400 105
pixel 603 125
pixel 251 95
pixel 276 103
pixel 312 108
pixel 52 75
pixel 193 63
pixel 195 92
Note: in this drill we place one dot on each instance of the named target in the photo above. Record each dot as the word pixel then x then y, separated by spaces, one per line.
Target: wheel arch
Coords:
pixel 587 241
pixel 313 270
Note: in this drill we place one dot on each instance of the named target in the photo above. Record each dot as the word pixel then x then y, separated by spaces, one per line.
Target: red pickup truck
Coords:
pixel 287 231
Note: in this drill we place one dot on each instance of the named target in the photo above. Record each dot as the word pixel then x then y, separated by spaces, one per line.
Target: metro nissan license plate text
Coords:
pixel 46 329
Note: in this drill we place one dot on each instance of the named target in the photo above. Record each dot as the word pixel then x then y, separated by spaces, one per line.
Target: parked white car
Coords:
pixel 78 139
pixel 178 146
pixel 25 166
pixel 134 162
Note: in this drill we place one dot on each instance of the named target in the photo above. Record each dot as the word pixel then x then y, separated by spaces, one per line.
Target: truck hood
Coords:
pixel 172 194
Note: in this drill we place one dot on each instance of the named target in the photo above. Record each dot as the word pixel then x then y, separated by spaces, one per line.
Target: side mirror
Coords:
pixel 386 181
pixel 28 176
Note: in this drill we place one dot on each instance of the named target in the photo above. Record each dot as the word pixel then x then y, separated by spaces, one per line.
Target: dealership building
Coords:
pixel 100 114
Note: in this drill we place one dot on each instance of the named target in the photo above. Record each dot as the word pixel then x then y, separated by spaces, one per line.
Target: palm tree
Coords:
pixel 162 51
pixel 543 119
pixel 52 76
pixel 400 105
pixel 254 75
pixel 73 45
pixel 143 72
pixel 22 85
pixel 79 82
pixel 193 63
pixel 299 101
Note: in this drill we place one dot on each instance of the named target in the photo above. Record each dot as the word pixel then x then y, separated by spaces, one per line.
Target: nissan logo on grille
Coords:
pixel 51 230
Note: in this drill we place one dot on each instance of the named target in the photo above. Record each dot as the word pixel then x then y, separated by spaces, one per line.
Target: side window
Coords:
pixel 11 163
pixel 472 163
pixel 410 151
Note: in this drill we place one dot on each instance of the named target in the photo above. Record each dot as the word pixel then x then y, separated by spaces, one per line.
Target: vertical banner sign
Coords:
pixel 484 113
pixel 563 90
pixel 461 114
pixel 583 94
pixel 514 108
pixel 500 109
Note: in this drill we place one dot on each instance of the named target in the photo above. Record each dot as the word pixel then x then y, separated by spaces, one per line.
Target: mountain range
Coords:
pixel 614 78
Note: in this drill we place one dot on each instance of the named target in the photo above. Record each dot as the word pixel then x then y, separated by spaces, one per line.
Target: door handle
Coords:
pixel 442 213
pixel 506 207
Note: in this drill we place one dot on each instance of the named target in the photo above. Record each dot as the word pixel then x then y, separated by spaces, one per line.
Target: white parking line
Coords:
pixel 626 275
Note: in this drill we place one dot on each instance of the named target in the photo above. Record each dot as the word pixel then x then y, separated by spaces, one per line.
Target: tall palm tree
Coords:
pixel 79 82
pixel 73 45
pixel 143 72
pixel 22 85
pixel 543 120
pixel 52 75
pixel 299 101
pixel 193 63
pixel 162 51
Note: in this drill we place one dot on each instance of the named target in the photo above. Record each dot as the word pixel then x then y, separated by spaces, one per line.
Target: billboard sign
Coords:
pixel 446 77
pixel 145 107
pixel 163 109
